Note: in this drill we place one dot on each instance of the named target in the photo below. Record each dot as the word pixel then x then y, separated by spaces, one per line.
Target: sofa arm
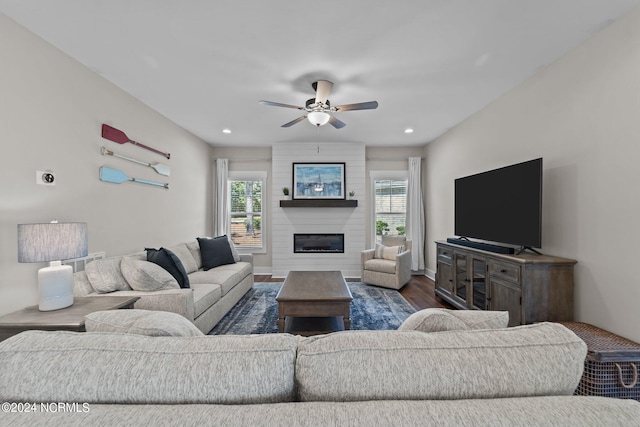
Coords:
pixel 247 258
pixel 365 256
pixel 403 267
pixel 175 300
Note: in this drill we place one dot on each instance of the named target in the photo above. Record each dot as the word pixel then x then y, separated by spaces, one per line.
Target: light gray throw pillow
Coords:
pixel 146 276
pixel 105 275
pixel 141 322
pixel 441 319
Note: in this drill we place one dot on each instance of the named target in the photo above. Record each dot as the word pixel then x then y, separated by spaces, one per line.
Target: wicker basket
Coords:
pixel 612 363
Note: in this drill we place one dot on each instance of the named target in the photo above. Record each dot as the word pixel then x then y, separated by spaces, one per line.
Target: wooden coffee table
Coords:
pixel 313 294
pixel 67 319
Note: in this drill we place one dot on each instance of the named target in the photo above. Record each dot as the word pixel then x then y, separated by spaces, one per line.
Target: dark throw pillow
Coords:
pixel 170 262
pixel 215 252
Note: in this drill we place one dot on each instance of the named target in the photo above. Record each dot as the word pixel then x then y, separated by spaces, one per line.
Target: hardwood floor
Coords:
pixel 419 292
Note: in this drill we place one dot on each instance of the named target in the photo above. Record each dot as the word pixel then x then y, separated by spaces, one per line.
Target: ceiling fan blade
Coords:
pixel 371 105
pixel 293 122
pixel 336 123
pixel 278 104
pixel 323 89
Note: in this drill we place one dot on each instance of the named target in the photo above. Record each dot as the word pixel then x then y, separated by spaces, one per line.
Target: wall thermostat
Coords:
pixel 45 178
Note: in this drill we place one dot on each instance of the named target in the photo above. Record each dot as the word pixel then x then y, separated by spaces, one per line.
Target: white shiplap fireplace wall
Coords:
pixel 287 221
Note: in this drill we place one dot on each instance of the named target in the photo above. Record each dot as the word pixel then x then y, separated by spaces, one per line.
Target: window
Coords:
pixel 247 217
pixel 390 205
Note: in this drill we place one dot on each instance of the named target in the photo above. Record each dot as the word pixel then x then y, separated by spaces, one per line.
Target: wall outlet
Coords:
pixel 45 178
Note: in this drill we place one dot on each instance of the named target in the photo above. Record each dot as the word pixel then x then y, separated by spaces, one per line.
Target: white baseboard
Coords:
pixel 430 274
pixel 262 270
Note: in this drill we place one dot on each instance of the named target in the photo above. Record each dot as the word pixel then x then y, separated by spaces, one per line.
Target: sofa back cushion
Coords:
pixel 184 255
pixel 442 319
pixel 533 360
pixel 122 368
pixel 146 276
pixel 105 275
pixel 142 322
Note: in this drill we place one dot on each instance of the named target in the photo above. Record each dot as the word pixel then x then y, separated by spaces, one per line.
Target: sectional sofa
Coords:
pixel 211 294
pixel 521 376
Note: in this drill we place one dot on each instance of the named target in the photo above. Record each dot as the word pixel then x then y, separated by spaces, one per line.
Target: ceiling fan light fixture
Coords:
pixel 318 118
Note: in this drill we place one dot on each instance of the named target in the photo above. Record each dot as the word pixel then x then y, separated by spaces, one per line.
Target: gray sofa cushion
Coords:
pixel 105 275
pixel 146 276
pixel 227 276
pixel 141 322
pixel 440 319
pixel 123 368
pixel 204 296
pixel 184 255
pixel 194 248
pixel 81 285
pixel 541 359
pixel 380 265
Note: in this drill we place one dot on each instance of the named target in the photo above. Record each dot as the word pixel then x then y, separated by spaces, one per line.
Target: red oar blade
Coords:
pixel 116 135
pixel 113 134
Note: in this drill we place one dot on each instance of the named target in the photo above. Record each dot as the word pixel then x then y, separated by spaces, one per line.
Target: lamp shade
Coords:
pixel 318 118
pixel 53 241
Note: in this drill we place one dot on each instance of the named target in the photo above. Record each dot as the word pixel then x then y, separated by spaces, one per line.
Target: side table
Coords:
pixel 66 319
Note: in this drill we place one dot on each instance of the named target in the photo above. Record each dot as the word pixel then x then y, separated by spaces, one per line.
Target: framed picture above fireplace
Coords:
pixel 319 181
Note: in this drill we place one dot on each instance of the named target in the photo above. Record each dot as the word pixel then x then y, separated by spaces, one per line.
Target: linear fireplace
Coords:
pixel 318 243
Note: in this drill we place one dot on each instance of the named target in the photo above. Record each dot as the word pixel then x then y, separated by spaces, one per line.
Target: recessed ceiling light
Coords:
pixel 226 130
pixel 408 130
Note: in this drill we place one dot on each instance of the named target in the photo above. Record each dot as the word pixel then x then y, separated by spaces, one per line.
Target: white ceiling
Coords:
pixel 205 64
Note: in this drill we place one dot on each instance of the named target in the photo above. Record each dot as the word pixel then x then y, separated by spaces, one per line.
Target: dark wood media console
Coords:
pixel 532 288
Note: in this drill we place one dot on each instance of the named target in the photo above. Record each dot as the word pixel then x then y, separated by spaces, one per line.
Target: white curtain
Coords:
pixel 222 219
pixel 415 215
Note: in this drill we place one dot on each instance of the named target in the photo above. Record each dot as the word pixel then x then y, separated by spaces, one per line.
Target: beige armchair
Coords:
pixel 388 273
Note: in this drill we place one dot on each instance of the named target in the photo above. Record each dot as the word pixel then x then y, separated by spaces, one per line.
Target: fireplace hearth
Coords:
pixel 329 243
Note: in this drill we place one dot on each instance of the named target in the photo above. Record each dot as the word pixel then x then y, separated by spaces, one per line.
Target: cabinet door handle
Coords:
pixel 488 299
pixel 450 280
pixel 502 270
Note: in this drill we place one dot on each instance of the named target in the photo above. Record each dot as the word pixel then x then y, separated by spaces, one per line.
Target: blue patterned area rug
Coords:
pixel 372 308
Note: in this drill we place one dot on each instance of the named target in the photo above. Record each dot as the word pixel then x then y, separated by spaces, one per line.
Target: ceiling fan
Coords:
pixel 318 108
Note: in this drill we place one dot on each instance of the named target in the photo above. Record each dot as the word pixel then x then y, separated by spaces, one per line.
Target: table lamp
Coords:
pixel 53 242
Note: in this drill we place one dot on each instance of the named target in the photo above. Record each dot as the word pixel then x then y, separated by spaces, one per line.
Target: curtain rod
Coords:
pixel 248 160
pixel 269 159
pixel 390 158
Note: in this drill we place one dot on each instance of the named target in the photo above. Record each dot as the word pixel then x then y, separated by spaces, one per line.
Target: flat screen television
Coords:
pixel 502 205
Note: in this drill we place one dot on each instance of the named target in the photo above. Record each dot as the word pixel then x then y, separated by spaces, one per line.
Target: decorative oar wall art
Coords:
pixel 158 167
pixel 117 136
pixel 118 177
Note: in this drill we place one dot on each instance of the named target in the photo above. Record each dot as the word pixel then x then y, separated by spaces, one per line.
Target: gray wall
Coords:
pixel 581 114
pixel 51 111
